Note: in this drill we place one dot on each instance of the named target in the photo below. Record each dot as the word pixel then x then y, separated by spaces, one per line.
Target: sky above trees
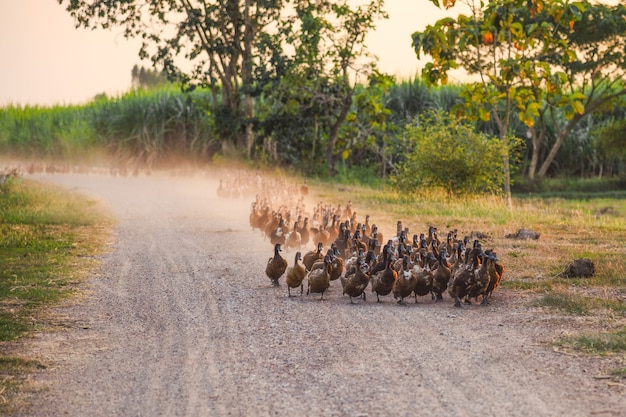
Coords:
pixel 47 61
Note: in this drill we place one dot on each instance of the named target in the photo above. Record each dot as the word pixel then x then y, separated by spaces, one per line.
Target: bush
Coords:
pixel 451 155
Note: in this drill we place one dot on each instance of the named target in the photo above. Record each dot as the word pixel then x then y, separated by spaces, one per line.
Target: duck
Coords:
pixel 405 284
pixel 423 280
pixel 337 264
pixel 495 273
pixel 449 243
pixel 458 262
pixel 311 257
pixel 367 227
pixel 377 234
pixel 463 281
pixel 304 188
pixel 272 222
pixel 293 239
pixel 381 260
pixel 304 231
pixel 319 279
pixel 257 214
pixel 481 280
pixel 383 281
pixel 441 275
pixel 295 274
pixel 278 235
pixel 358 244
pixel 222 190
pixel 432 236
pixel 343 240
pixel 319 264
pixel 355 283
pixel 320 234
pixel 373 244
pixel 276 266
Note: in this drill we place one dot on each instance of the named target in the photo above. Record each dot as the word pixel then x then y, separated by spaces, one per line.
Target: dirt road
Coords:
pixel 182 321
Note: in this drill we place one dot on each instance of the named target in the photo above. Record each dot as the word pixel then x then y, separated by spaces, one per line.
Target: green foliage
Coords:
pixel 452 156
pixel 572 187
pixel 541 61
pixel 613 139
pixel 311 92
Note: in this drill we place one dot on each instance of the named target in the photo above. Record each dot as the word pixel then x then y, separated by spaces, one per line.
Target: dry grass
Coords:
pixel 569 229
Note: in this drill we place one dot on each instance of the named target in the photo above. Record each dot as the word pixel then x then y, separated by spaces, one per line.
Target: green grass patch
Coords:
pixel 578 304
pixel 599 344
pixel 48 239
pixel 527 285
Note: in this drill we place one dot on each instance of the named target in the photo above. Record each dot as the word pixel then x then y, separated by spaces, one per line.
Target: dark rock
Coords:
pixel 580 268
pixel 477 235
pixel 524 234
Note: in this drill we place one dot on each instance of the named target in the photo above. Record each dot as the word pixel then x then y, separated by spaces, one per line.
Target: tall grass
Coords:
pixel 61 131
pixel 144 126
pixel 149 125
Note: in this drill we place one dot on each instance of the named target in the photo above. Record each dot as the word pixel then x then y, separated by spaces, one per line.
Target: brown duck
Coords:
pixel 355 283
pixel 319 279
pixel 405 284
pixel 383 281
pixel 295 274
pixel 276 266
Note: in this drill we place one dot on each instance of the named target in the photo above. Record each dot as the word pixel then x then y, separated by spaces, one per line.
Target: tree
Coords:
pixel 316 78
pixel 596 76
pixel 200 43
pixel 369 133
pixel 545 61
pixel 147 78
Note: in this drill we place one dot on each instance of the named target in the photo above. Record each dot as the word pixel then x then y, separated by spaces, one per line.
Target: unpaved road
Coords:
pixel 181 321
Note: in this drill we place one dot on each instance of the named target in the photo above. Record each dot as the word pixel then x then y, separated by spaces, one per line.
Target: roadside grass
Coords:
pixel 48 242
pixel 600 344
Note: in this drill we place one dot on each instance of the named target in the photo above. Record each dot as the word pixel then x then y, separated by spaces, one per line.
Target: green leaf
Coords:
pixel 517 30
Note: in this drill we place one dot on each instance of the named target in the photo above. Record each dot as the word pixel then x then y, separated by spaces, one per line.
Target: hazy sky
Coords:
pixel 46 61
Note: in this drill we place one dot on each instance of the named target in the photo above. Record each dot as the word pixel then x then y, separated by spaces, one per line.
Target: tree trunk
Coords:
pixel 557 145
pixel 503 127
pixel 507 180
pixel 334 132
pixel 537 140
pixel 247 78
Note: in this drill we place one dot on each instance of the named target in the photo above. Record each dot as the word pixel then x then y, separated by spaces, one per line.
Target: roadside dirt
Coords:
pixel 181 321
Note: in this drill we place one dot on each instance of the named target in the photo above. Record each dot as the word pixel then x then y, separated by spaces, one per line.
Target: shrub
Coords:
pixel 446 153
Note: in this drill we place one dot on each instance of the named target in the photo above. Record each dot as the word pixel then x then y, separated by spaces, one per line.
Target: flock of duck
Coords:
pixel 356 254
